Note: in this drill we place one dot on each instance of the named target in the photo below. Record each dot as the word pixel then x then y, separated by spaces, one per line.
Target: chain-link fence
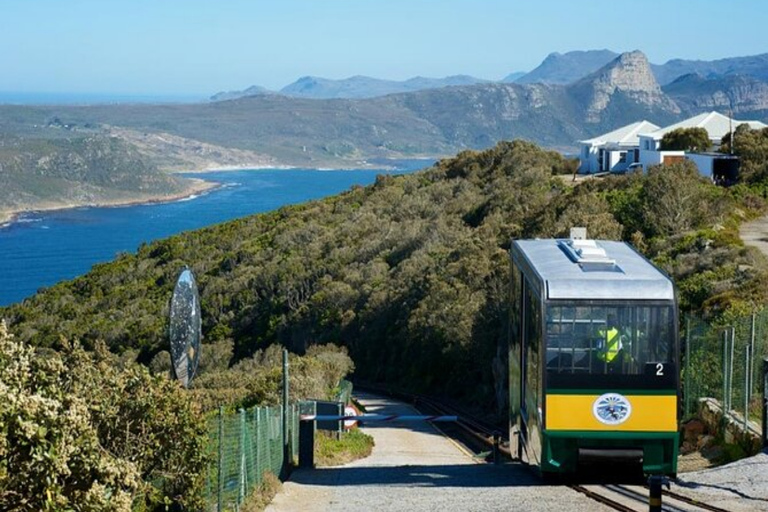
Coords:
pixel 725 363
pixel 344 392
pixel 244 446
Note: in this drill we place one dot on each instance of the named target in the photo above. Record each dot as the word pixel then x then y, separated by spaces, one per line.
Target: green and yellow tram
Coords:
pixel 593 357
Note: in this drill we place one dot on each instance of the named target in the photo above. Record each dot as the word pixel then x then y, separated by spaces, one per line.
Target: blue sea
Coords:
pixel 41 249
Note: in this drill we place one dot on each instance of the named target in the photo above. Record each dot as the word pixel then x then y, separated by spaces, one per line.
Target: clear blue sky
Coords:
pixel 199 47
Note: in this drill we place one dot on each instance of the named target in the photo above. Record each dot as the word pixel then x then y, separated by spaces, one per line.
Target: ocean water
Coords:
pixel 41 249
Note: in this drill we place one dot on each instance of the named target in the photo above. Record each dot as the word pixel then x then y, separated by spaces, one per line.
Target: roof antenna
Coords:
pixel 730 124
pixel 578 233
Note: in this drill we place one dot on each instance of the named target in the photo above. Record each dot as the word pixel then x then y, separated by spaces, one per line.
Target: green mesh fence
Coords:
pixel 725 363
pixel 344 393
pixel 245 445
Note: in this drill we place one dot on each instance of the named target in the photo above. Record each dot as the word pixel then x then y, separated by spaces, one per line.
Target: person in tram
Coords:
pixel 610 345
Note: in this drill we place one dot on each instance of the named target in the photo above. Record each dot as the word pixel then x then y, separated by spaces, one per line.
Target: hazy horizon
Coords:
pixel 192 50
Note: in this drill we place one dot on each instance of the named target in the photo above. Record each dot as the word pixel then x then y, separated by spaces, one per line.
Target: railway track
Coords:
pixel 478 436
pixel 634 498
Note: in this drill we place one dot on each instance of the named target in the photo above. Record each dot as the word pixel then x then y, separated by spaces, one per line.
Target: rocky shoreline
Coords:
pixel 195 186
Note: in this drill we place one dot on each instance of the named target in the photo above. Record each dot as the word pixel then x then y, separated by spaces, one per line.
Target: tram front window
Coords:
pixel 599 339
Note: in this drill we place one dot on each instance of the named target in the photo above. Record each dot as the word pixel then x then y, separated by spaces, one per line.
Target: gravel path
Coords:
pixel 738 486
pixel 755 234
pixel 413 467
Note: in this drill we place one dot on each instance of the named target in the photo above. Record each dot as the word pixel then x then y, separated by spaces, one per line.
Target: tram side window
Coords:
pixel 532 341
pixel 607 339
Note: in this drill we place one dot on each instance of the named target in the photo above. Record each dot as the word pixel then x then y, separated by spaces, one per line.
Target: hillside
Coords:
pixel 84 169
pixel 367 87
pixel 275 129
pixel 354 87
pixel 344 132
pixel 410 273
pixel 745 96
pixel 755 66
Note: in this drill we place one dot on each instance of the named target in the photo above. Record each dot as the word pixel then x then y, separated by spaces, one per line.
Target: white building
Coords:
pixel 717 126
pixel 613 151
pixel 640 143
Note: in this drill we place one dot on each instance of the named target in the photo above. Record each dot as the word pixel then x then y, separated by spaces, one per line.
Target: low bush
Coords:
pixel 78 433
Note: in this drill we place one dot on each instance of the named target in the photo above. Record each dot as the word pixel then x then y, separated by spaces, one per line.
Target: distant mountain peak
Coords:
pixel 630 73
pixel 360 86
pixel 254 90
pixel 565 68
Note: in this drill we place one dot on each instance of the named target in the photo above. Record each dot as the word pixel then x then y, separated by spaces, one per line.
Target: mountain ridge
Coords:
pixel 562 69
pixel 557 68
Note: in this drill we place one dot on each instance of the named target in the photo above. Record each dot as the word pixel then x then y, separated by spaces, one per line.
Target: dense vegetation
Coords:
pixel 77 432
pixel 410 273
pixel 84 430
pixel 85 167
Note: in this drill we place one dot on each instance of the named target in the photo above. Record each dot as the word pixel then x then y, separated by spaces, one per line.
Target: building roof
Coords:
pixel 631 278
pixel 716 124
pixel 624 136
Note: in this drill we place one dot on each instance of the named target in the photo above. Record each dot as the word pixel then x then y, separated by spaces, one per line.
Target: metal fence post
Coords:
pixel 724 402
pixel 219 484
pixel 258 455
pixel 688 384
pixel 267 441
pixel 730 369
pixel 241 493
pixel 765 402
pixel 751 370
pixel 286 451
pixel 746 389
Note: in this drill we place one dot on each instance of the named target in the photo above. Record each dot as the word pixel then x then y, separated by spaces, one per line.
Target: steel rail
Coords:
pixel 482 432
pixel 603 499
pixel 692 501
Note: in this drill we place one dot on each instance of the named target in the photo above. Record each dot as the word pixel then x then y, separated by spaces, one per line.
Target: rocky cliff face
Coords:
pixel 744 94
pixel 629 75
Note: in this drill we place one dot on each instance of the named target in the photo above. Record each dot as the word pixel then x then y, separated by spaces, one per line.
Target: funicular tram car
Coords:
pixel 593 357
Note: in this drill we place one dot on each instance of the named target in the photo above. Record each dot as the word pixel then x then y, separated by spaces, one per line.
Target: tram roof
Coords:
pixel 632 277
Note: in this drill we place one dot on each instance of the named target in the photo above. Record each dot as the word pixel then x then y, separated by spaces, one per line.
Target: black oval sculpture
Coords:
pixel 185 328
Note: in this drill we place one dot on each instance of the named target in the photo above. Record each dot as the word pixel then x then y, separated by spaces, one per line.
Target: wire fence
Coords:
pixel 724 362
pixel 244 446
pixel 344 392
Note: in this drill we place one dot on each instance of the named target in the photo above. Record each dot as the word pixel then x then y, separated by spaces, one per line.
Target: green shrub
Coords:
pixel 77 433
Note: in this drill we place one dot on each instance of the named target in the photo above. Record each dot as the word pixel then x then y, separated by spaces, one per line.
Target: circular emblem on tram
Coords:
pixel 611 409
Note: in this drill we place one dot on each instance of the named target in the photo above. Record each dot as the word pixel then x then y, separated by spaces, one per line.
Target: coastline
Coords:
pixel 225 168
pixel 195 187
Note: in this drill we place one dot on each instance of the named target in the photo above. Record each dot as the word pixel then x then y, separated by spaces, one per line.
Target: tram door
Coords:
pixel 524 373
pixel 516 366
pixel 530 408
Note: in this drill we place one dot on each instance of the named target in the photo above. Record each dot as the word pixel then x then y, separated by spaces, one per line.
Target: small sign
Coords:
pixel 350 410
